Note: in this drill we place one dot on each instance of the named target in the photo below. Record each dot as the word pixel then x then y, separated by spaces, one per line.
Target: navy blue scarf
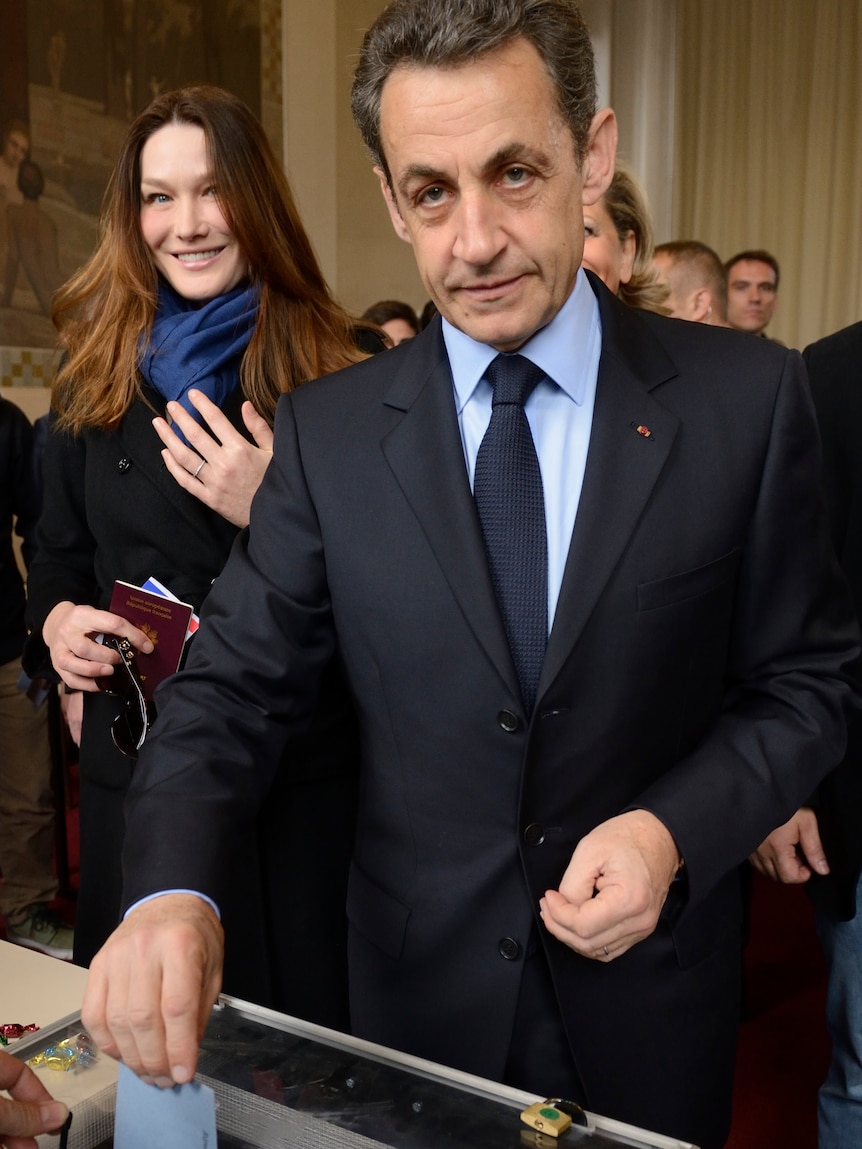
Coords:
pixel 198 346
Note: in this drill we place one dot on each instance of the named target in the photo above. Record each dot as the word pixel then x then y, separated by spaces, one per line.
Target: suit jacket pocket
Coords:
pixel 689 584
pixel 711 924
pixel 377 915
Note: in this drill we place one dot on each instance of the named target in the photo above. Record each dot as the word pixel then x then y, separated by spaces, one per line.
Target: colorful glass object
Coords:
pixel 71 1053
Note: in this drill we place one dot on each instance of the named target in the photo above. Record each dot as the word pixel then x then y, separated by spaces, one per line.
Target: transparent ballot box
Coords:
pixel 281 1083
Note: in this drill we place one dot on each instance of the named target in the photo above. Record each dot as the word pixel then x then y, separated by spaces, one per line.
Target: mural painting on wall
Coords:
pixel 91 66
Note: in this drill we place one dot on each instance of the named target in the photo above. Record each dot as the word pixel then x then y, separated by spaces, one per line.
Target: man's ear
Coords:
pixel 392 207
pixel 601 154
pixel 702 306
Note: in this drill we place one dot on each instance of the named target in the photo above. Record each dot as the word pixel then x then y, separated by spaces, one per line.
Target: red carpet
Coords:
pixel 783 1043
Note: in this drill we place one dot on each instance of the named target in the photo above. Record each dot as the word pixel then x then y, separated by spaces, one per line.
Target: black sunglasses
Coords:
pixel 129 728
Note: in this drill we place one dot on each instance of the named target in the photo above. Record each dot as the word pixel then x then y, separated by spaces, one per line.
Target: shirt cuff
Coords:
pixel 162 893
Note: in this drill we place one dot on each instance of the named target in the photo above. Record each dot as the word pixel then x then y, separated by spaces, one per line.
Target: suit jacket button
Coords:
pixel 124 465
pixel 508 720
pixel 509 949
pixel 534 834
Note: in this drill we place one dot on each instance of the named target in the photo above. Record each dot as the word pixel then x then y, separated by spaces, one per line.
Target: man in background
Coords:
pixel 752 290
pixel 696 280
pixel 822 843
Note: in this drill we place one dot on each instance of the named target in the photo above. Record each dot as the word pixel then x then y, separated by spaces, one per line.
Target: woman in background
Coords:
pixel 201 305
pixel 618 243
pixel 396 319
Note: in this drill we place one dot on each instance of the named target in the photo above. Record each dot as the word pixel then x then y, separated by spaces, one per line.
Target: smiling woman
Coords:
pixel 181 220
pixel 202 302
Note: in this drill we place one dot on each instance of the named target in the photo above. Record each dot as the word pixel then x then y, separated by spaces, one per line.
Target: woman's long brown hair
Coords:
pixel 109 304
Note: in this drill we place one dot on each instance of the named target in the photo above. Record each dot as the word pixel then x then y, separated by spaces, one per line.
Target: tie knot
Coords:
pixel 513 378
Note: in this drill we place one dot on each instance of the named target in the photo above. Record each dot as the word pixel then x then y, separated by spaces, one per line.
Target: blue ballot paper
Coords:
pixel 178 1118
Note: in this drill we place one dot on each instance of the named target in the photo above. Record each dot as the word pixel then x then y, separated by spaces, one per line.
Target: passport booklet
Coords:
pixel 164 621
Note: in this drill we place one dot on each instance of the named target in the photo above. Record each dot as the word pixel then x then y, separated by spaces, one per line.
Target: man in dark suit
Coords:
pixel 822 843
pixel 544 884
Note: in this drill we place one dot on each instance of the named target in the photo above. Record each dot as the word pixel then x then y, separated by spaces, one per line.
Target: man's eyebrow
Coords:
pixel 752 282
pixel 419 173
pixel 515 152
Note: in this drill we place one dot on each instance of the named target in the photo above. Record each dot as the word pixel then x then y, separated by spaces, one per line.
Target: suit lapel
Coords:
pixel 426 455
pixel 631 438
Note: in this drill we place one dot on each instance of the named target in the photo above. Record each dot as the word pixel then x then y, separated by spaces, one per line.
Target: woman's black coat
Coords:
pixel 113 511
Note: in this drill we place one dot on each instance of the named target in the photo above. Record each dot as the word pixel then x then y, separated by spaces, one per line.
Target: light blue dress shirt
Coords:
pixel 559 411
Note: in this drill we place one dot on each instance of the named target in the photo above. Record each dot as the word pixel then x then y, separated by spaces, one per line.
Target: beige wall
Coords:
pixel 337 192
pixel 33 401
pixel 373 263
pixel 309 138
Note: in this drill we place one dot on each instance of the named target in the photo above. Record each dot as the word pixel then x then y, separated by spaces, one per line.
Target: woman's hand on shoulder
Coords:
pixel 224 470
pixel 70 633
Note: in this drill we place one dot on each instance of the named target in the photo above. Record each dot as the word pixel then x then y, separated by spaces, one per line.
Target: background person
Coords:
pixel 696 281
pixel 28 884
pixel 618 242
pixel 398 320
pixel 822 843
pixel 752 290
pixel 202 301
pixel 549 727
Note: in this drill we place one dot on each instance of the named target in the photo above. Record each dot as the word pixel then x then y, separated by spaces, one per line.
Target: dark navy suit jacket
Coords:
pixel 697 668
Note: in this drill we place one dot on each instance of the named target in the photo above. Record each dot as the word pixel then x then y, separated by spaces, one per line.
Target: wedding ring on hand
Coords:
pixel 200 467
pixel 607 951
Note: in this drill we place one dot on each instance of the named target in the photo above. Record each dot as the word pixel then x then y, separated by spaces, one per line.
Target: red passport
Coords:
pixel 163 621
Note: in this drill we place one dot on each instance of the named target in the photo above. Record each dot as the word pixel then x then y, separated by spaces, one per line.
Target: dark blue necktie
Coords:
pixel 507 488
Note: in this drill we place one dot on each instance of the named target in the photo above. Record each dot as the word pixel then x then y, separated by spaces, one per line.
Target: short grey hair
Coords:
pixel 450 33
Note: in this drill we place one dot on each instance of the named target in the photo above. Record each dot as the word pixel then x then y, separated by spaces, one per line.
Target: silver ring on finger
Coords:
pixel 607 951
pixel 200 467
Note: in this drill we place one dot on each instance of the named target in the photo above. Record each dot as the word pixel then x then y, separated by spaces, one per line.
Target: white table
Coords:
pixel 37 988
pixel 40 989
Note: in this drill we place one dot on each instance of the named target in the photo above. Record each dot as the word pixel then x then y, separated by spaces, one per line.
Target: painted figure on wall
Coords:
pixel 89 70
